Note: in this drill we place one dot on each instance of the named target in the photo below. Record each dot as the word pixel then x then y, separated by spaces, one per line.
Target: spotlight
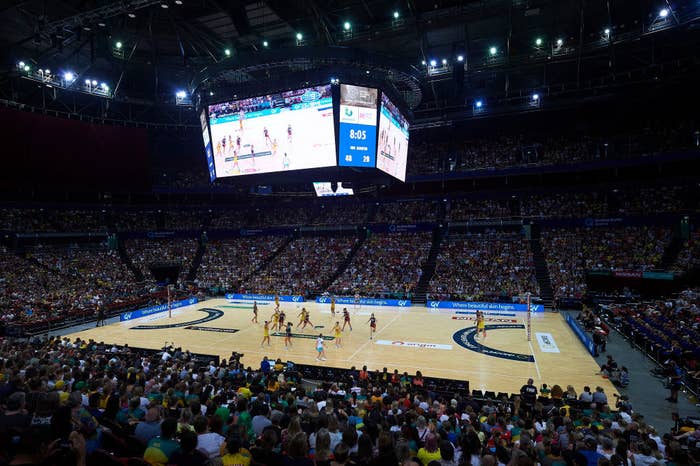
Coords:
pixel 538 41
pixel 118 45
pixel 560 42
pixel 460 58
pixel 535 97
pixel 493 51
pixel 47 71
pixel 227 52
pixel 102 24
pixel 94 83
pixel 367 72
pixel 265 44
pixel 346 26
pixel 87 82
pixel 131 15
pixel 21 64
pixel 178 2
pixel 479 104
pixel 663 13
pixel 299 36
pixel 211 93
pixel 164 5
pixel 26 68
pixel 396 15
pixel 68 76
pixel 87 28
pixel 433 62
pixel 607 31
pixel 104 86
pixel 422 62
pixel 180 94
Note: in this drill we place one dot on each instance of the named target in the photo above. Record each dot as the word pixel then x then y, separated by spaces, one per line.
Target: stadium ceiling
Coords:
pixel 441 55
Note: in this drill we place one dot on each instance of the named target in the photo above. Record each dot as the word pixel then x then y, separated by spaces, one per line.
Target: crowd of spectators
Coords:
pixel 144 252
pixel 468 209
pixel 689 255
pixel 303 267
pixel 563 251
pixel 341 214
pixel 385 265
pixel 564 205
pixel 135 220
pixel 484 267
pixel 85 403
pixel 48 220
pixel 667 329
pixel 407 212
pixel 630 248
pixel 227 263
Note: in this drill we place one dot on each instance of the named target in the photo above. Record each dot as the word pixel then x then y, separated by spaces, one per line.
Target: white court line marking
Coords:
pixel 532 352
pixel 376 335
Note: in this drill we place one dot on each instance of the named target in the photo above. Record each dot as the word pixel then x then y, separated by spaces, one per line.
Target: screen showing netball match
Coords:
pixel 290 130
pixel 392 153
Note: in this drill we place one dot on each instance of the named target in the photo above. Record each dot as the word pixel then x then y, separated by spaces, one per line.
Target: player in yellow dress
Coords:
pixel 332 308
pixel 275 319
pixel 277 301
pixel 302 316
pixel 480 324
pixel 266 334
pixel 337 333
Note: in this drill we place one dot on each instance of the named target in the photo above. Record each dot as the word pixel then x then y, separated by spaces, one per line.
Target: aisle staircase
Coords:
pixel 346 262
pixel 541 271
pixel 671 253
pixel 270 259
pixel 138 275
pixel 196 261
pixel 428 267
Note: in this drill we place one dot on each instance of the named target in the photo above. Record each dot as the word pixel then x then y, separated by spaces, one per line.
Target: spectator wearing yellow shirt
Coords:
pixel 429 452
pixel 233 455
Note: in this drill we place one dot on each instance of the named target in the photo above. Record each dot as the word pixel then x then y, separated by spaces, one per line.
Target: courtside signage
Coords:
pixel 366 301
pixel 265 297
pixel 585 339
pixel 155 309
pixel 512 307
pixel 547 343
pixel 413 344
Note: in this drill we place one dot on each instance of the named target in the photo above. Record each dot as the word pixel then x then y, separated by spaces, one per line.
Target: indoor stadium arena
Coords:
pixel 350 233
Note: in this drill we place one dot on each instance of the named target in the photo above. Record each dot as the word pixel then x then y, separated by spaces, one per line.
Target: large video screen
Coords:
pixel 393 140
pixel 207 145
pixel 290 130
pixel 357 128
pixel 325 188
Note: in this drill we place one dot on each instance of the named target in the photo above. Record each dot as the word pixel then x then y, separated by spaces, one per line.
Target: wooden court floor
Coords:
pixel 438 343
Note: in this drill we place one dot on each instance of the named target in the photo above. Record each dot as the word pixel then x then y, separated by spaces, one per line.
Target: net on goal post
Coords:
pixel 526 298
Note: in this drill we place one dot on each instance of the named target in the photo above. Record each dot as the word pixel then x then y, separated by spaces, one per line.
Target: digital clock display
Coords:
pixel 358 126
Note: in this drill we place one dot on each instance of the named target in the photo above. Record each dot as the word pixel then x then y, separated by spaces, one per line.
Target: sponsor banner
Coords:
pixel 366 301
pixel 466 338
pixel 155 309
pixel 500 314
pixel 265 297
pixel 658 275
pixel 627 273
pixel 602 222
pixel 583 336
pixel 401 228
pixel 547 343
pixel 413 344
pixel 513 307
pixel 211 329
pixel 487 319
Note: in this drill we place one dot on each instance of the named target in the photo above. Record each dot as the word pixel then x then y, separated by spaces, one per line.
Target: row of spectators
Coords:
pixel 178 251
pixel 484 267
pixel 385 265
pixel 107 405
pixel 581 204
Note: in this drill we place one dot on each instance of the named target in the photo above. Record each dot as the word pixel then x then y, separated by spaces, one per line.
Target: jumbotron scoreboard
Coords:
pixel 308 128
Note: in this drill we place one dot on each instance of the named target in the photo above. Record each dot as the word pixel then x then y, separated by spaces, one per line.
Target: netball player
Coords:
pixel 480 324
pixel 289 133
pixel 277 302
pixel 320 348
pixel 241 117
pixel 372 325
pixel 346 319
pixel 307 321
pixel 285 161
pixel 252 154
pixel 266 133
pixel 255 312
pixel 288 336
pixel 301 316
pixel 332 308
pixel 275 318
pixel 338 335
pixel 266 334
pixel 238 143
pixel 357 300
pixel 281 321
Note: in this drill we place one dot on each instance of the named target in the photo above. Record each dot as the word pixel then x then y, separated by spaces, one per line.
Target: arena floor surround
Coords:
pixel 439 343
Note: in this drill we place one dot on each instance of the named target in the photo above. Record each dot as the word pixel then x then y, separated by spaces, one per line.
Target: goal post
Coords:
pixel 526 298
